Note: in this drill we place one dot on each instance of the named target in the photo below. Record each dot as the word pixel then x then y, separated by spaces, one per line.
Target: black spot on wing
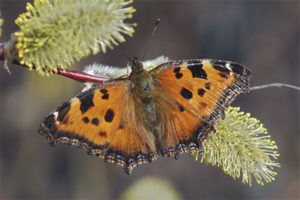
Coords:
pixel 181 108
pixel 178 75
pixel 95 121
pixel 197 71
pixel 176 70
pixel 207 86
pixel 236 68
pixel 62 112
pixel 224 72
pixel 85 120
pixel 105 96
pixel 86 100
pixel 105 93
pixel 109 115
pixel 201 92
pixel 185 93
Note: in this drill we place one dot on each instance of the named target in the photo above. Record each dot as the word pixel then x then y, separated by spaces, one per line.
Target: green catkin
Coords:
pixel 55 33
pixel 241 146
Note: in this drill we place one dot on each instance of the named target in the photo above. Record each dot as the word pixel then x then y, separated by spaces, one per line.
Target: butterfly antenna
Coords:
pixel 152 36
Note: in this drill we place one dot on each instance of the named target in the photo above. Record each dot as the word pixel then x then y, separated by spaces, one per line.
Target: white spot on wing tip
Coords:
pixel 55 114
pixel 228 66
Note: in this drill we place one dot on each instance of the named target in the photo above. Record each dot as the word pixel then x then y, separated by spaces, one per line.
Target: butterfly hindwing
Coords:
pixel 102 121
pixel 200 90
pixel 181 130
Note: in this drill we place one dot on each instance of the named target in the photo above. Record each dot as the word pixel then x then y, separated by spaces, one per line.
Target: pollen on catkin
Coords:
pixel 241 146
pixel 55 33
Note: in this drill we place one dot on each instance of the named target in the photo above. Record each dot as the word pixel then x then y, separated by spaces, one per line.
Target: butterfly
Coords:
pixel 166 111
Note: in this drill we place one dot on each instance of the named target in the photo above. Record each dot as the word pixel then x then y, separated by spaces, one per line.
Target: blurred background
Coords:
pixel 263 35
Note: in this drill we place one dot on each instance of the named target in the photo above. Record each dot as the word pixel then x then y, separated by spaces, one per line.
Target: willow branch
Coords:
pixel 75 75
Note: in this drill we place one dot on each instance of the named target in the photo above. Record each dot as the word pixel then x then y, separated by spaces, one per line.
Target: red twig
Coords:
pixel 80 76
pixel 75 75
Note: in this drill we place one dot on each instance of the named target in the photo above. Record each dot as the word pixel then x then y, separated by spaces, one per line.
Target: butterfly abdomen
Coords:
pixel 143 89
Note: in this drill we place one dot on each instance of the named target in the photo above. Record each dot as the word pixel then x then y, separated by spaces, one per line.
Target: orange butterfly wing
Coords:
pixel 103 121
pixel 192 96
pixel 110 121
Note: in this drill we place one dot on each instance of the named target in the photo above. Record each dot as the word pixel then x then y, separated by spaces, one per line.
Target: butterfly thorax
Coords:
pixel 142 82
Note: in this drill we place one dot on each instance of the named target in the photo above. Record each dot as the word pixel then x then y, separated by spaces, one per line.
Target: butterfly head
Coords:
pixel 136 66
